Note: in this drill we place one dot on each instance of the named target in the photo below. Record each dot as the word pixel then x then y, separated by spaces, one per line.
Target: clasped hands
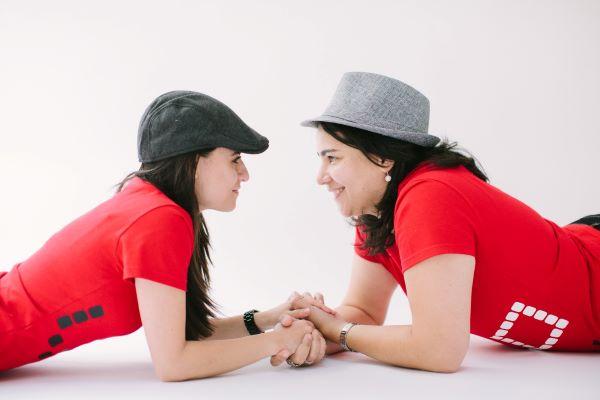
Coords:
pixel 305 324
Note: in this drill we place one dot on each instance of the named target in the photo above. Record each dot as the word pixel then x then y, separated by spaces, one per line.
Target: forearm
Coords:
pixel 353 314
pixel 201 359
pixel 398 345
pixel 234 327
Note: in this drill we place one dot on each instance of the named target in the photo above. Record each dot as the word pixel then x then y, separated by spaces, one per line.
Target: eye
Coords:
pixel 332 159
pixel 237 160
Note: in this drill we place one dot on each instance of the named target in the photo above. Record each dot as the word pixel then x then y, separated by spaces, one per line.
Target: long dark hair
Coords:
pixel 176 177
pixel 406 156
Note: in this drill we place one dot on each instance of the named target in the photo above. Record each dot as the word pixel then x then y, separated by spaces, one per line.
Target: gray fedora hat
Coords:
pixel 379 104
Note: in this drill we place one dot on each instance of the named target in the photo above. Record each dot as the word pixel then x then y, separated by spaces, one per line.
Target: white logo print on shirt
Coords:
pixel 517 309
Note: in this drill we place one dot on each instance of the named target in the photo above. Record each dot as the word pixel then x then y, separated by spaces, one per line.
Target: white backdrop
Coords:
pixel 514 82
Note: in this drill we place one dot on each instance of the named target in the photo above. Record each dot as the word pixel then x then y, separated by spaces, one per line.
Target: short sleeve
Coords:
pixel 158 246
pixel 432 218
pixel 359 240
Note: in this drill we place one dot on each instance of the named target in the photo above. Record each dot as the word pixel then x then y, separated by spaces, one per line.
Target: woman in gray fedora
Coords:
pixel 470 258
pixel 142 259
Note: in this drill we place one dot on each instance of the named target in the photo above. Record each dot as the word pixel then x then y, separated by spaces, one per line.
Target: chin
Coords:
pixel 224 207
pixel 229 209
pixel 345 213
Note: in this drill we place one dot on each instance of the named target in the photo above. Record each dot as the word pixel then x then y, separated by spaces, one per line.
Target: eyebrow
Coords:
pixel 235 153
pixel 324 152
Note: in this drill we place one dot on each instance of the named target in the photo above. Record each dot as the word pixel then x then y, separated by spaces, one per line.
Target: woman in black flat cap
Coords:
pixel 142 258
pixel 470 258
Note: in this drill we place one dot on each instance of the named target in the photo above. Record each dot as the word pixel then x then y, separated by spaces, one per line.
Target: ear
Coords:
pixel 386 165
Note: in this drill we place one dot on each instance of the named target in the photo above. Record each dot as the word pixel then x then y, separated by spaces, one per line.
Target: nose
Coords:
pixel 243 173
pixel 323 177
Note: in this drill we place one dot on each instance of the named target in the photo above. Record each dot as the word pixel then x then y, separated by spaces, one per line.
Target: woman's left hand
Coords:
pixel 329 325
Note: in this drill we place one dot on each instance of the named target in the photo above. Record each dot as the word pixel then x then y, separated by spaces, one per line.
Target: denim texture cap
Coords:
pixel 379 104
pixel 180 122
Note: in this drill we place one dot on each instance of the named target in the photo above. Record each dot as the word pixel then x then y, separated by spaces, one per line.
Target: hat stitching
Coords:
pixel 166 103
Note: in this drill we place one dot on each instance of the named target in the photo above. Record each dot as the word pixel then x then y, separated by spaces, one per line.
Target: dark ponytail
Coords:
pixel 175 177
pixel 406 156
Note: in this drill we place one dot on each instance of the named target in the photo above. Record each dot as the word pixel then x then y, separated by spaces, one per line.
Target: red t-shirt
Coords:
pixel 79 286
pixel 535 285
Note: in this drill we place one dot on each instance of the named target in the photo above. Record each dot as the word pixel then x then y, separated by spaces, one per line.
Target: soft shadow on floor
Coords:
pixel 90 371
pixel 499 350
pixel 354 358
pixel 109 372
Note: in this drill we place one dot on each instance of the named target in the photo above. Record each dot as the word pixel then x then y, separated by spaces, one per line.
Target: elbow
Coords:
pixel 170 370
pixel 447 360
pixel 448 366
pixel 168 374
pixel 170 366
pixel 441 357
pixel 447 363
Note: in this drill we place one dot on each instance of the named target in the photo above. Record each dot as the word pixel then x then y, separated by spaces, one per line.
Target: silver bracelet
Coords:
pixel 343 335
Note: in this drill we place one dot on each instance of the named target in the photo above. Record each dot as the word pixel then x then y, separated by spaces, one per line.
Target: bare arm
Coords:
pixel 234 327
pixel 439 292
pixel 368 296
pixel 162 309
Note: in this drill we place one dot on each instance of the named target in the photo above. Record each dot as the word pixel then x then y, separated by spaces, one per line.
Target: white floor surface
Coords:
pixel 120 368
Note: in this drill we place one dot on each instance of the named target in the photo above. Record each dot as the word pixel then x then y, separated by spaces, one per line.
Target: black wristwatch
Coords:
pixel 250 324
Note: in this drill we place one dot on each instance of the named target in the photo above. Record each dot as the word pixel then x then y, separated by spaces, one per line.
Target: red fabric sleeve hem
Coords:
pixel 374 259
pixel 164 279
pixel 435 251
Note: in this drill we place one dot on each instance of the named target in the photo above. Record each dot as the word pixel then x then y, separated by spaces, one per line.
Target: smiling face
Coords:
pixel 356 182
pixel 218 179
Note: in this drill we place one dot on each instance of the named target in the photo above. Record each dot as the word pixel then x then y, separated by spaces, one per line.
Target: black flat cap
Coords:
pixel 181 122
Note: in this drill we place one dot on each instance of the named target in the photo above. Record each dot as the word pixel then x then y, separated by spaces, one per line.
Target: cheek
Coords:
pixel 214 185
pixel 221 184
pixel 361 189
pixel 351 178
pixel 341 175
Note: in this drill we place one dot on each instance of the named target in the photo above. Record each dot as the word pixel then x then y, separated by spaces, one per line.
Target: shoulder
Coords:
pixel 145 203
pixel 167 218
pixel 435 185
pixel 435 196
pixel 433 178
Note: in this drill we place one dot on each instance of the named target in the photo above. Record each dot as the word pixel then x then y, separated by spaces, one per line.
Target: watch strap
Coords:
pixel 250 323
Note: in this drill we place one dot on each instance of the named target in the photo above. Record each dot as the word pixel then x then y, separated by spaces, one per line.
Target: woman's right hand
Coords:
pixel 296 306
pixel 290 338
pixel 298 301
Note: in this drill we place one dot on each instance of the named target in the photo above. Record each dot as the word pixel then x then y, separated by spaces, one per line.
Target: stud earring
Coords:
pixel 387 177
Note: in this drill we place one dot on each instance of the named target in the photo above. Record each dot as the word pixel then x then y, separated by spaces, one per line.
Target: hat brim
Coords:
pixel 252 143
pixel 418 138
